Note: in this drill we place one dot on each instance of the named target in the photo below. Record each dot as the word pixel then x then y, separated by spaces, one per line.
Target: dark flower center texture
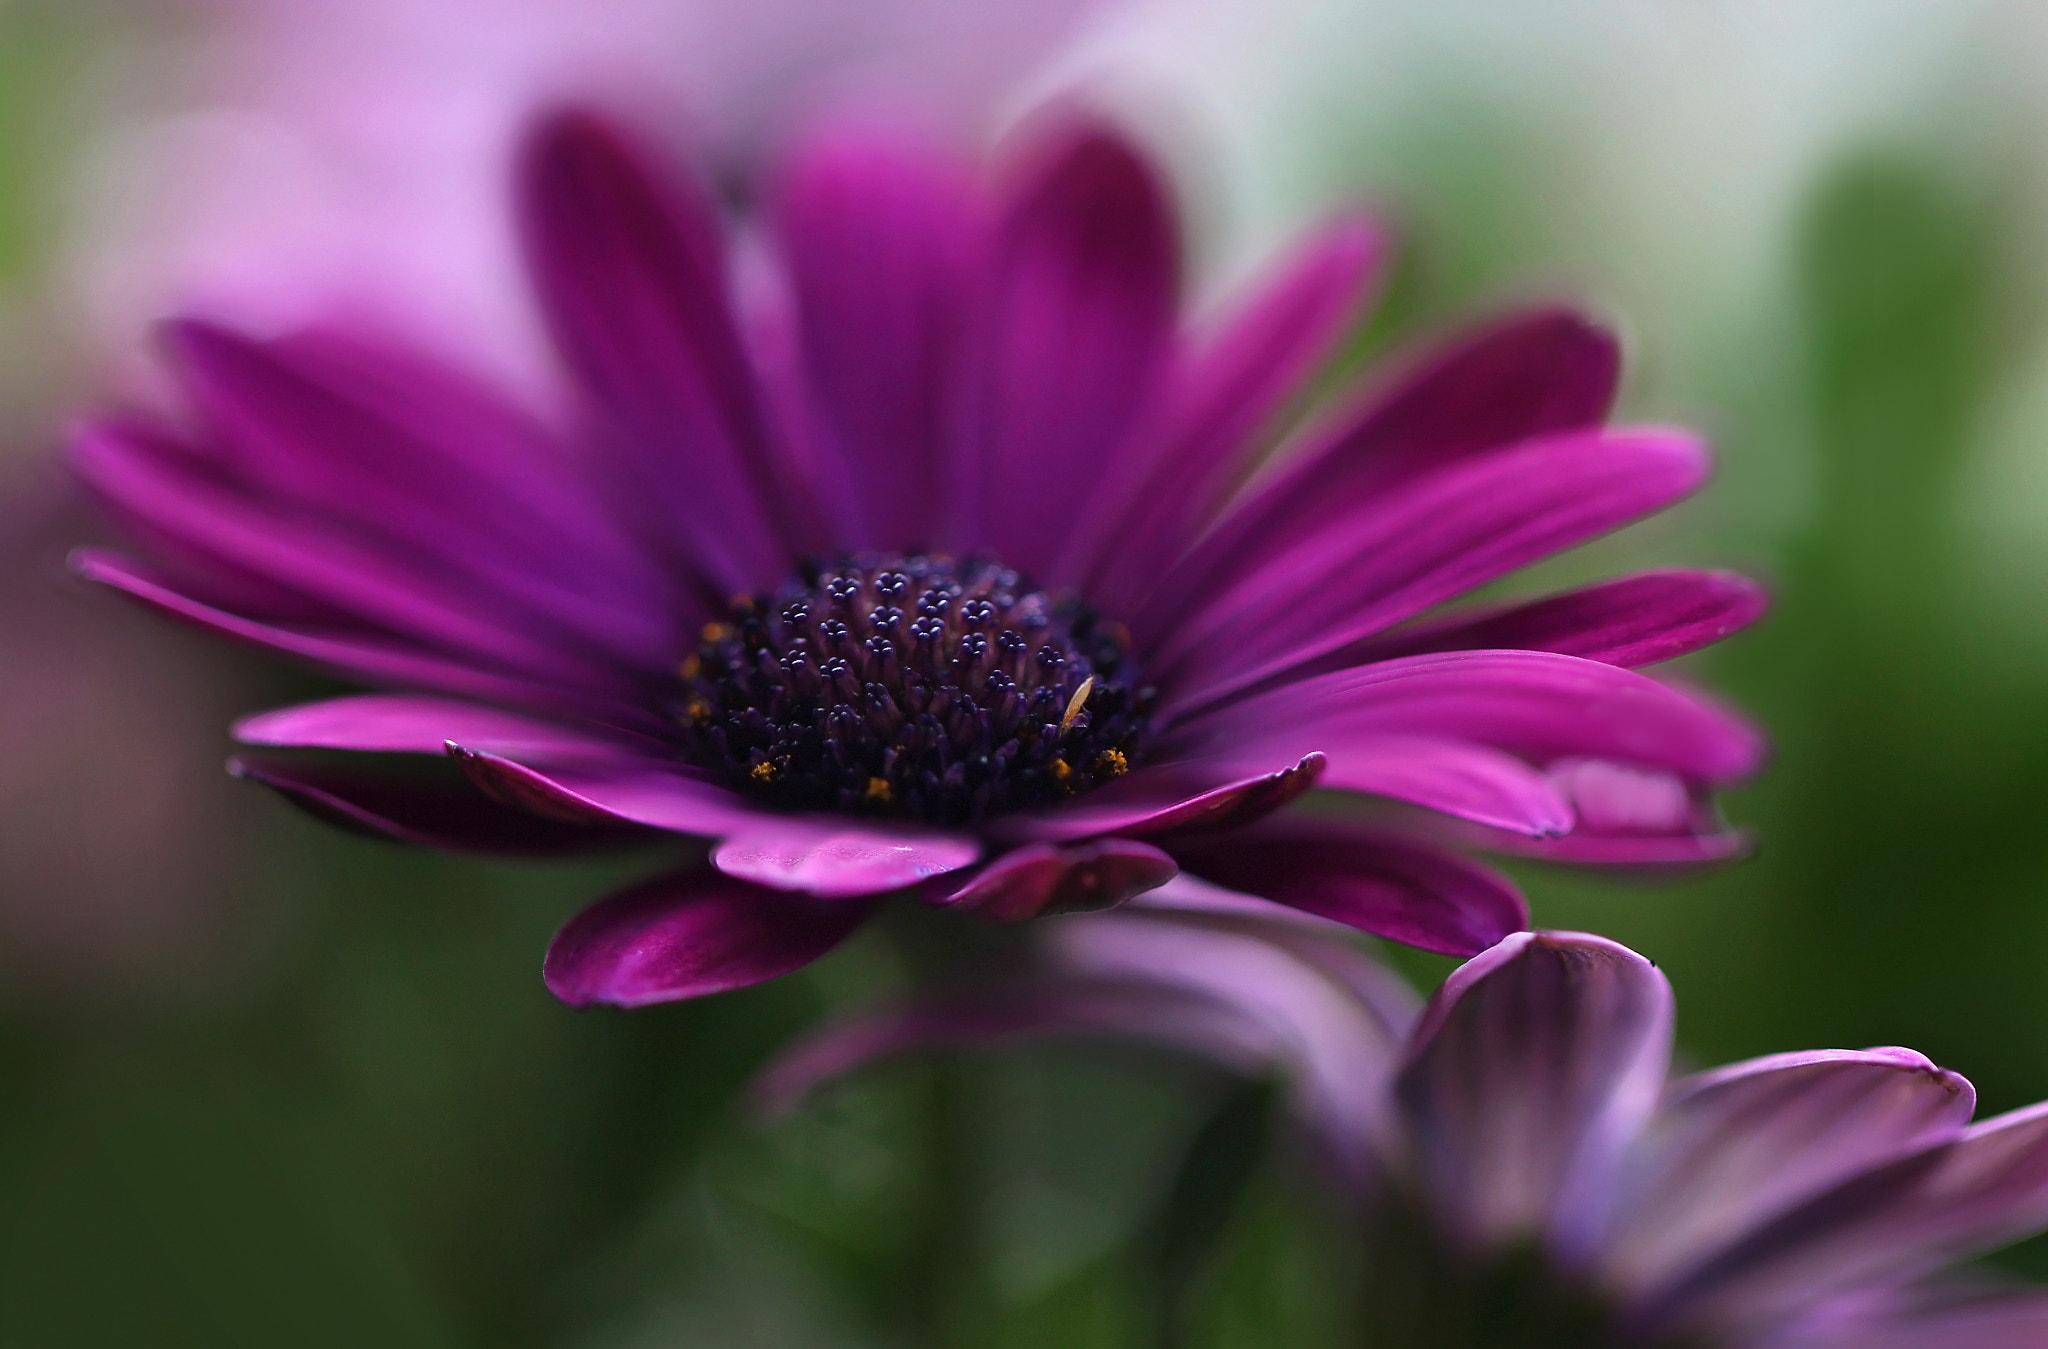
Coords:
pixel 921 687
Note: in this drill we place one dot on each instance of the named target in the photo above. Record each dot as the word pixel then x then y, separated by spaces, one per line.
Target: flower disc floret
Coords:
pixel 918 687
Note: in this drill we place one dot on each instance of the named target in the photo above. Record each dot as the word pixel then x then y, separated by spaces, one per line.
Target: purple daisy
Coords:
pixel 1525 1170
pixel 917 544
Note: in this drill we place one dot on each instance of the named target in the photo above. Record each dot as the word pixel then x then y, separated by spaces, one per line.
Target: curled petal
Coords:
pixel 1533 1067
pixel 690 934
pixel 1737 1146
pixel 649 798
pixel 414 803
pixel 1042 878
pixel 1149 803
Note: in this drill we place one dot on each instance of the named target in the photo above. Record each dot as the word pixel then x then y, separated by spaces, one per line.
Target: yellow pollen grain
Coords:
pixel 1061 770
pixel 1111 763
pixel 690 668
pixel 878 791
pixel 762 772
pixel 716 632
pixel 698 711
pixel 1076 703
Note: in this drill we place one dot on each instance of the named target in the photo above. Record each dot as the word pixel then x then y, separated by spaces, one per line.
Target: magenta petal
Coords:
pixel 1042 878
pixel 648 797
pixel 838 858
pixel 1171 479
pixel 1379 883
pixel 1079 321
pixel 1169 799
pixel 1390 557
pixel 1969 1317
pixel 1527 376
pixel 687 935
pixel 1469 781
pixel 1531 1070
pixel 413 724
pixel 372 659
pixel 631 270
pixel 422 807
pixel 882 248
pixel 1637 620
pixel 376 442
pixel 1737 1146
pixel 338 575
pixel 1943 1203
pixel 1538 706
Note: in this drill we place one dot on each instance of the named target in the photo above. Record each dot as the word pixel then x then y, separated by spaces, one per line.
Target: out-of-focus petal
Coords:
pixel 1041 878
pixel 688 935
pixel 1533 1066
pixel 1392 555
pixel 1531 375
pixel 884 247
pixel 416 805
pixel 1380 883
pixel 1080 317
pixel 839 857
pixel 372 659
pixel 374 441
pixel 1171 478
pixel 1894 1222
pixel 1734 1147
pixel 1637 620
pixel 631 269
pixel 1991 1317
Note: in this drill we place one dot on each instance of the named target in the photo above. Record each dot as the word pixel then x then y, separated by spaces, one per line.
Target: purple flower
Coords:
pixel 917 543
pixel 1526 1171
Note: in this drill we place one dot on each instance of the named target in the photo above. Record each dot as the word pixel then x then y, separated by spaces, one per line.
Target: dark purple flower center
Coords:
pixel 917 687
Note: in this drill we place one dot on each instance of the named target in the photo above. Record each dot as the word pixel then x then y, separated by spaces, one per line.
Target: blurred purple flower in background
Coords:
pixel 914 542
pixel 1526 1170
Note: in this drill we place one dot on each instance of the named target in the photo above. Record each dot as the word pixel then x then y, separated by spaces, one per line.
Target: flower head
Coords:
pixel 1526 1170
pixel 915 541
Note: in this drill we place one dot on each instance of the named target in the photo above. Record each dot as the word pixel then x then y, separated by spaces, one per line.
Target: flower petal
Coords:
pixel 836 857
pixel 334 574
pixel 371 659
pixel 1531 375
pixel 1170 480
pixel 623 793
pixel 1637 620
pixel 1891 1223
pixel 1167 799
pixel 1538 706
pixel 1436 537
pixel 415 804
pixel 883 247
pixel 1735 1147
pixel 1533 1067
pixel 1080 319
pixel 363 437
pixel 402 723
pixel 688 935
pixel 1380 883
pixel 1042 878
pixel 631 270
